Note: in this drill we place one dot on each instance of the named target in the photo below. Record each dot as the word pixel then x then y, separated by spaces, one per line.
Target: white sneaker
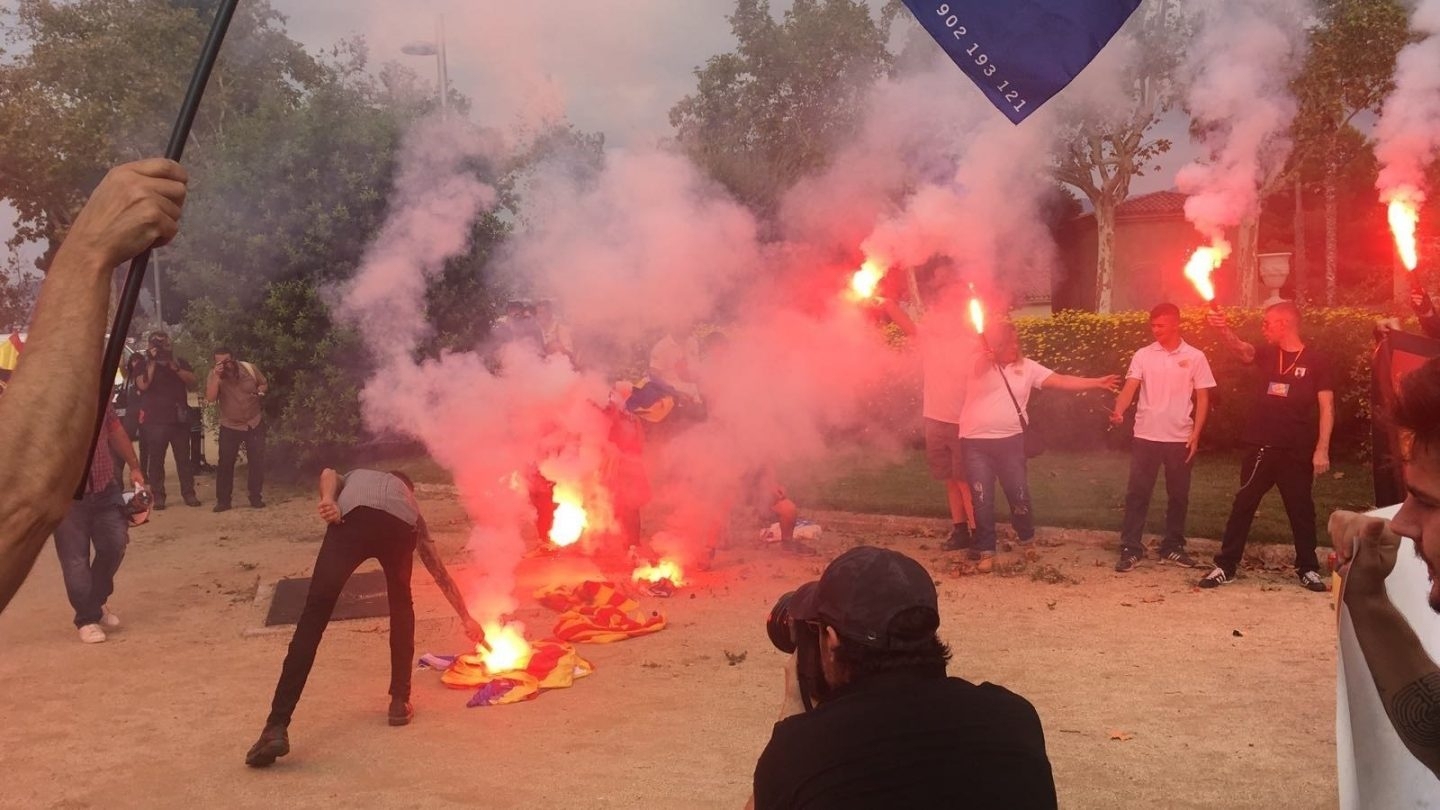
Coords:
pixel 109 620
pixel 92 634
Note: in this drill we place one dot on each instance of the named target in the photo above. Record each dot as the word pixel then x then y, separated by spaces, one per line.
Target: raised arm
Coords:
pixel 48 411
pixel 1245 351
pixel 430 557
pixel 212 385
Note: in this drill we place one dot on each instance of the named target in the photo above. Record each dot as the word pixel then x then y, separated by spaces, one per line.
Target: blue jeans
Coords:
pixel 985 460
pixel 97 520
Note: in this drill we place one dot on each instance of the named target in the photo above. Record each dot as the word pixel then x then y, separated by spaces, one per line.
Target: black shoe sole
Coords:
pixel 267 754
pixel 401 721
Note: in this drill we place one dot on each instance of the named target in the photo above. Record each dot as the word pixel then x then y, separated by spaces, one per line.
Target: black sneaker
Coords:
pixel 1311 581
pixel 401 712
pixel 1216 578
pixel 274 742
pixel 1127 563
pixel 221 507
pixel 1181 558
pixel 256 503
pixel 959 539
pixel 159 503
pixel 191 500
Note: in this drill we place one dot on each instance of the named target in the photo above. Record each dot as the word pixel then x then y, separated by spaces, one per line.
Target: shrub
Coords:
pixel 1089 344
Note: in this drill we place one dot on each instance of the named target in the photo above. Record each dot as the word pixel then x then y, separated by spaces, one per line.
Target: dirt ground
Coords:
pixel 1220 699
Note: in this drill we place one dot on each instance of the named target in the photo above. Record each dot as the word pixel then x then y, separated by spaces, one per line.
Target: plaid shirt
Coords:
pixel 102 466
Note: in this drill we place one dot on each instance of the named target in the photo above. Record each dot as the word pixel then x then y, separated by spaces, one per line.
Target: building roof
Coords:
pixel 1160 204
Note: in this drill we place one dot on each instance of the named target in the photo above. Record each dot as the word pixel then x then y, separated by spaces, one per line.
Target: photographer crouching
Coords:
pixel 869 717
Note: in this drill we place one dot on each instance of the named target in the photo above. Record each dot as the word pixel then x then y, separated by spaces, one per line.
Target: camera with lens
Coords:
pixel 802 638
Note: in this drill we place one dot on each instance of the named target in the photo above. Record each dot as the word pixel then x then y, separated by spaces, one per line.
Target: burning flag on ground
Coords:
pixel 546 665
pixel 597 612
pixel 661 579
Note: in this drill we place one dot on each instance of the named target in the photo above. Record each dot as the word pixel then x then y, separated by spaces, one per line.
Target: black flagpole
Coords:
pixel 135 279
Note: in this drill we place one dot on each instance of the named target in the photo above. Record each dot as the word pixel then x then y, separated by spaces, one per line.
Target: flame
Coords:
pixel 1202 264
pixel 665 569
pixel 866 279
pixel 570 519
pixel 1404 214
pixel 977 312
pixel 509 651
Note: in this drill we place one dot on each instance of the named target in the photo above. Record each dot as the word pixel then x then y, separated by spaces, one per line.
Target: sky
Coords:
pixel 505 57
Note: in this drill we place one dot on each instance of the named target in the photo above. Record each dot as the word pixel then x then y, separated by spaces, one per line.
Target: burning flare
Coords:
pixel 977 312
pixel 509 651
pixel 1202 264
pixel 570 519
pixel 1404 213
pixel 866 279
pixel 665 569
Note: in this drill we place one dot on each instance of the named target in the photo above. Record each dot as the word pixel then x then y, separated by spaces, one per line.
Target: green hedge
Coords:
pixel 1091 345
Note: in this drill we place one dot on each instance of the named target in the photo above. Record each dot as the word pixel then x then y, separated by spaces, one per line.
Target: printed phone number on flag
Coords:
pixel 982 60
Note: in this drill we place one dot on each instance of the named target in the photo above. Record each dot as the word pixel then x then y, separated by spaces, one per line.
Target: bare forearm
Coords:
pixel 47 415
pixel 1407 680
pixel 1245 351
pixel 1327 427
pixel 120 443
pixel 1067 382
pixel 1202 410
pixel 329 484
pixel 212 387
pixel 431 559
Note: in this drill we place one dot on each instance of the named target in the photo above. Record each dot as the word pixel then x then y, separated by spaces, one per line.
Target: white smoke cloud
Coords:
pixel 1240 65
pixel 1407 135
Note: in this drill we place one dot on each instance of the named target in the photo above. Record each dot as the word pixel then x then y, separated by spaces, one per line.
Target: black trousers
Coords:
pixel 1293 472
pixel 1146 459
pixel 230 441
pixel 364 533
pixel 176 437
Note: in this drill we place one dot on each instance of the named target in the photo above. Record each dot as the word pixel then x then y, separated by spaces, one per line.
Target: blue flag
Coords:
pixel 1022 52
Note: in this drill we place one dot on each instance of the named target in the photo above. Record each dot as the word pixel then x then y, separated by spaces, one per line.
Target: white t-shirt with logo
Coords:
pixel 1164 412
pixel 988 411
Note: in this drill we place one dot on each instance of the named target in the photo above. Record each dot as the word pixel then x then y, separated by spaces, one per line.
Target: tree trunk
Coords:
pixel 1104 254
pixel 1247 267
pixel 1300 268
pixel 1332 216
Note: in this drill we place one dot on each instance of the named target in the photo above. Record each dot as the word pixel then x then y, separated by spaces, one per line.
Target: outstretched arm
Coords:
pixel 430 557
pixel 1245 351
pixel 1067 382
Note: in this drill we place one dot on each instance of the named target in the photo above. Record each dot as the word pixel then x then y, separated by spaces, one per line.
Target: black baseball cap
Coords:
pixel 861 593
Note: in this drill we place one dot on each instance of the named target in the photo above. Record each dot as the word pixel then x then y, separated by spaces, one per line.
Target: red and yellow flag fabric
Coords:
pixel 597 613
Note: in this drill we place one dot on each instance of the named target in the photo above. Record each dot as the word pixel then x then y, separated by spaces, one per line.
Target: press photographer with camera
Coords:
pixel 870 718
pixel 239 389
pixel 165 405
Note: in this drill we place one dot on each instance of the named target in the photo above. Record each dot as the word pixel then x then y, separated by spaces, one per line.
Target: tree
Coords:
pixel 774 109
pixel 1101 151
pixel 97 82
pixel 1349 71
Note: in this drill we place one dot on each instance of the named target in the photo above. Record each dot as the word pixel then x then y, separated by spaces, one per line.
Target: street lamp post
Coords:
pixel 442 70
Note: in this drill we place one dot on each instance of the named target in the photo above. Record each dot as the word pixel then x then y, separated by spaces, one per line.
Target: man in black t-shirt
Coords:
pixel 890 729
pixel 1287 433
pixel 165 417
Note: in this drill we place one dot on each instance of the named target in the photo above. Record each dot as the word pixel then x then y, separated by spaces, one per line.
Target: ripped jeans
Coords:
pixel 985 460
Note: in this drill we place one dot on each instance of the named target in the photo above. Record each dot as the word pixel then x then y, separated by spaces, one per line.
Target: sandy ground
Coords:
pixel 1223 699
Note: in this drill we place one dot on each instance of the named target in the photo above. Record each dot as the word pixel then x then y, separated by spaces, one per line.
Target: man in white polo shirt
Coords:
pixel 1167 434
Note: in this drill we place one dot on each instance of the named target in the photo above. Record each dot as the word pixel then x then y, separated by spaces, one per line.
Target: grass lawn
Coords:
pixel 1084 491
pixel 1071 490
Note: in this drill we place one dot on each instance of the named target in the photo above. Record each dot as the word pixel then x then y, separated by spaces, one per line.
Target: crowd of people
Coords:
pixel 889 726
